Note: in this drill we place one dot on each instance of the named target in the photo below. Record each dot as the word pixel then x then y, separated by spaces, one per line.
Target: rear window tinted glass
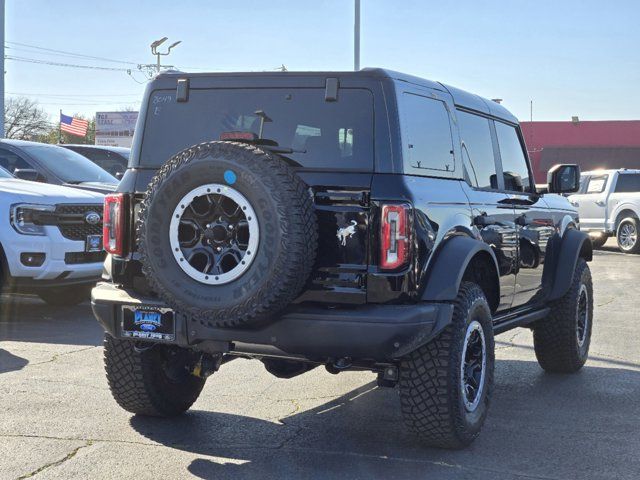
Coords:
pixel 597 184
pixel 427 146
pixel 477 150
pixel 628 182
pixel 335 135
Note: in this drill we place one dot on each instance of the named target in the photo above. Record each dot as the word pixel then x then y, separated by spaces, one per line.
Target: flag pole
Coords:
pixel 60 128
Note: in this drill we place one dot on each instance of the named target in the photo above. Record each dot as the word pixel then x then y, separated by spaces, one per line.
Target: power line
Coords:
pixel 59 64
pixel 75 94
pixel 89 104
pixel 72 54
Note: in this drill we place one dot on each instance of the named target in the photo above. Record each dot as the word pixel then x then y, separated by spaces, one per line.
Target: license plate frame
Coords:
pixel 148 323
pixel 93 243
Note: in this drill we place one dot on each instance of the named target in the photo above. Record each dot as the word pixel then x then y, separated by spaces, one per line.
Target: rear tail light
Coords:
pixel 113 230
pixel 394 236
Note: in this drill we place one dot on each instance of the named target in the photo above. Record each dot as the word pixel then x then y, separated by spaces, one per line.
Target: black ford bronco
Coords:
pixel 352 220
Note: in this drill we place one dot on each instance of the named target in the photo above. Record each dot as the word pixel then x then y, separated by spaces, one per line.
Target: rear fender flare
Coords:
pixel 574 244
pixel 449 265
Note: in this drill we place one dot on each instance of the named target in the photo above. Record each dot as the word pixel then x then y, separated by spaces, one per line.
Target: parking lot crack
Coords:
pixel 57 463
pixel 58 355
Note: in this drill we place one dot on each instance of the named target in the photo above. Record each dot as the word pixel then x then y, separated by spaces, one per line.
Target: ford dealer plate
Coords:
pixel 150 323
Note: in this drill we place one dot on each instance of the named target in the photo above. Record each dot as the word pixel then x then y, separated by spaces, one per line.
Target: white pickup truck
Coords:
pixel 608 203
pixel 50 240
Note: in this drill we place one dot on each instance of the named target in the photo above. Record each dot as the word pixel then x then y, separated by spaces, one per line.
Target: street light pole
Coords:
pixel 2 69
pixel 356 36
pixel 154 50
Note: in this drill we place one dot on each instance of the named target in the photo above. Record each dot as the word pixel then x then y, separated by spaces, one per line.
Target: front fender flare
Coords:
pixel 573 245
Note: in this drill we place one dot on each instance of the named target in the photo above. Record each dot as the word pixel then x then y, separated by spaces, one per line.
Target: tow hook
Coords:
pixel 206 365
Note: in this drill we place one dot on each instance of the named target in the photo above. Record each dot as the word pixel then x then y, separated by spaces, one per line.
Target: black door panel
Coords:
pixel 535 227
pixel 493 217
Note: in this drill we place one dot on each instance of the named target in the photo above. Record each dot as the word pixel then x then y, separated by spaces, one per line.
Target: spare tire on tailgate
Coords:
pixel 227 233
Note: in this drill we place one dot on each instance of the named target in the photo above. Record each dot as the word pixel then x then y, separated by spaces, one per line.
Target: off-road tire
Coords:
pixel 288 234
pixel 430 380
pixel 555 338
pixel 139 383
pixel 65 296
pixel 635 224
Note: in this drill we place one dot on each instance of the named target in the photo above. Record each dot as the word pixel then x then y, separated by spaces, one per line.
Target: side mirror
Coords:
pixel 26 174
pixel 513 182
pixel 564 179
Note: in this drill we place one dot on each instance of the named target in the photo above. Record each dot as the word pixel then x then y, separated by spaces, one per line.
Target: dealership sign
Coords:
pixel 115 128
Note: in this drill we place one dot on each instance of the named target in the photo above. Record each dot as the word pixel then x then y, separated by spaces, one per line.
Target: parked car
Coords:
pixel 112 159
pixel 363 220
pixel 609 205
pixel 50 240
pixel 46 163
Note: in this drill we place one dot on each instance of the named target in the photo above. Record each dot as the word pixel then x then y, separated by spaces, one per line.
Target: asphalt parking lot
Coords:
pixel 58 420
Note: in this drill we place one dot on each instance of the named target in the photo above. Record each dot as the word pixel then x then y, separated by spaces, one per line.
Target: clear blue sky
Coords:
pixel 570 57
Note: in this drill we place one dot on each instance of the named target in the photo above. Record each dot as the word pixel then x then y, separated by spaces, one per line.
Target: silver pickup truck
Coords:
pixel 608 203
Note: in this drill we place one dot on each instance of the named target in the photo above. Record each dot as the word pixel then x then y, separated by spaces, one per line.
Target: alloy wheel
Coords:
pixel 583 315
pixel 627 236
pixel 473 366
pixel 214 234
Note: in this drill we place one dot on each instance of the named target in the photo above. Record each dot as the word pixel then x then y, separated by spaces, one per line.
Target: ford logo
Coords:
pixel 147 327
pixel 92 218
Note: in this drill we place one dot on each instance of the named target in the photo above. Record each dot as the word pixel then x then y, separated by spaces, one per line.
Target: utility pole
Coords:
pixel 2 69
pixel 356 36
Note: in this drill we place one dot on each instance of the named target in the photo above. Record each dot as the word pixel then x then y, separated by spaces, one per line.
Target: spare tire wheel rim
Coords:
pixel 214 234
pixel 473 366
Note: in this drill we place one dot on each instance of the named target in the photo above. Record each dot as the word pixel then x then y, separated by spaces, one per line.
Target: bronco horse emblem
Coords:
pixel 346 232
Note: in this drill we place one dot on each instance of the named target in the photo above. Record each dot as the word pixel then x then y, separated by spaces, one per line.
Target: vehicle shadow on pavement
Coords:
pixel 536 416
pixel 10 362
pixel 26 318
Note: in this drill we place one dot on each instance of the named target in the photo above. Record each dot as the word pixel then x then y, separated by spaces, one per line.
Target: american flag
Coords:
pixel 74 126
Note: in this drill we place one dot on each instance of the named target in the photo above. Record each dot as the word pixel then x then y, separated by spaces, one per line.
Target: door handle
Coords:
pixel 516 201
pixel 600 203
pixel 575 204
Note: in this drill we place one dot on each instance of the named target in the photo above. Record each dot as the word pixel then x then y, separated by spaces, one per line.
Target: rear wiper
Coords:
pixel 282 149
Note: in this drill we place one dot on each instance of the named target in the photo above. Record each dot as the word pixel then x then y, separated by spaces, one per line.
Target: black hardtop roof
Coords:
pixel 460 97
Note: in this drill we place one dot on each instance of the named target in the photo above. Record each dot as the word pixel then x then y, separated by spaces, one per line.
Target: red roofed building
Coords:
pixel 592 145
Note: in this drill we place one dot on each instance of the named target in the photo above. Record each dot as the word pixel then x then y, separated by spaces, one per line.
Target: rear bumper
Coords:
pixel 373 332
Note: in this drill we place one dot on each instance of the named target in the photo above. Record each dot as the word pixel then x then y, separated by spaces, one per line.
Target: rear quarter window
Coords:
pixel 334 135
pixel 427 142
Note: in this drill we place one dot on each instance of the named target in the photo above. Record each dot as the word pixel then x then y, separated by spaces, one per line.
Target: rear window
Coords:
pixel 312 132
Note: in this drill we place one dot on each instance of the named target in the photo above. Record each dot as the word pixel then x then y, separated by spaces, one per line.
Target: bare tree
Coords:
pixel 24 119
